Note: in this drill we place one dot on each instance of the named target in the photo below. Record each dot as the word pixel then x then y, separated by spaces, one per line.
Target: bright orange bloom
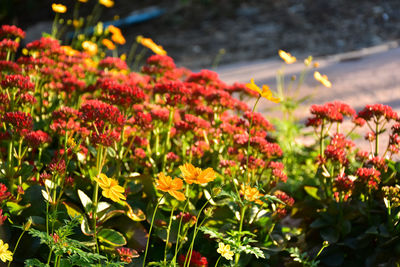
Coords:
pixel 108 43
pixel 107 3
pixel 69 50
pixel 59 8
pixel 251 194
pixel 110 187
pixel 322 79
pixel 287 57
pixel 172 186
pixel 147 42
pixel 90 47
pixel 196 175
pixel 264 92
pixel 116 35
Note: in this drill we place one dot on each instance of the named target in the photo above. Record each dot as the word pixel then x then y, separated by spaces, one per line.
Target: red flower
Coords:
pixel 197 260
pixel 7 45
pixel 113 63
pixel 100 112
pixel 126 254
pixel 37 138
pixel 369 177
pixel 11 31
pixel 21 122
pixel 17 81
pixel 3 192
pixel 377 111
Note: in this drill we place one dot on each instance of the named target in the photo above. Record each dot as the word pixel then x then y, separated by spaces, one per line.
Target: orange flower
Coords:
pixel 167 184
pixel 322 79
pixel 110 187
pixel 108 43
pixel 59 8
pixel 196 175
pixel 251 194
pixel 69 50
pixel 107 3
pixel 264 92
pixel 147 42
pixel 287 57
pixel 116 35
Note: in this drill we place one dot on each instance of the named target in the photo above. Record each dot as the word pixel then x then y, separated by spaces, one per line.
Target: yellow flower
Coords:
pixel 69 50
pixel 287 57
pixel 147 42
pixel 107 3
pixel 108 43
pixel 90 47
pixel 59 8
pixel 5 254
pixel 116 35
pixel 225 251
pixel 83 1
pixel 110 187
pixel 172 186
pixel 196 175
pixel 264 92
pixel 251 194
pixel 322 79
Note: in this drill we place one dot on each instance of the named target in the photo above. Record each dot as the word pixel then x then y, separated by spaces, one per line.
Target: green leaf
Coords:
pixel 112 237
pixel 15 208
pixel 312 191
pixel 256 251
pixel 85 200
pixel 72 210
pixel 330 235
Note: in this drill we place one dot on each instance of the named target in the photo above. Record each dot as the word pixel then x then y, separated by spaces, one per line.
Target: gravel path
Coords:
pixel 358 78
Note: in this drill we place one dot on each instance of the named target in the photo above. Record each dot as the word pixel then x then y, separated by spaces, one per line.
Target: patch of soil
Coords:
pixel 194 31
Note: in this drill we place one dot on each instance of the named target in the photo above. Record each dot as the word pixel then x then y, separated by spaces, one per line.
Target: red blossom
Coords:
pixel 3 192
pixel 126 254
pixel 21 82
pixel 8 45
pixel 21 122
pixel 197 260
pixel 37 138
pixel 113 63
pixel 11 31
pixel 99 112
pixel 368 177
pixel 377 111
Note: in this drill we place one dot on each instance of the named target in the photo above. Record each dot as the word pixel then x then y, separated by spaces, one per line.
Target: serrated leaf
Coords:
pixel 112 237
pixel 211 232
pixel 256 251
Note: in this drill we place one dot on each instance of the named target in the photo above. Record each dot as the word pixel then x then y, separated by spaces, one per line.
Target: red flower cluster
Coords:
pixel 126 254
pixel 368 177
pixel 338 149
pixel 37 138
pixel 11 31
pixel 331 112
pixel 18 81
pixel 197 260
pixel 376 112
pixel 21 122
pixel 98 112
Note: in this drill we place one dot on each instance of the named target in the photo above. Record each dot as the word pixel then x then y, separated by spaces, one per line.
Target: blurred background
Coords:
pixel 195 32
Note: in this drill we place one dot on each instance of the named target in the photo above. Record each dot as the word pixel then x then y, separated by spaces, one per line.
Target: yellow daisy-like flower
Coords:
pixel 172 186
pixel 107 3
pixel 251 194
pixel 108 43
pixel 149 43
pixel 5 254
pixel 59 8
pixel 264 92
pixel 322 79
pixel 225 251
pixel 90 47
pixel 110 187
pixel 287 57
pixel 192 174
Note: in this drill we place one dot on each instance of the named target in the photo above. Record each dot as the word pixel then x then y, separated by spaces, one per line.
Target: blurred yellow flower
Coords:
pixel 59 8
pixel 116 35
pixel 196 175
pixel 322 79
pixel 225 251
pixel 287 57
pixel 83 1
pixel 264 92
pixel 5 254
pixel 172 186
pixel 69 50
pixel 110 187
pixel 147 42
pixel 251 194
pixel 108 43
pixel 308 61
pixel 107 3
pixel 90 47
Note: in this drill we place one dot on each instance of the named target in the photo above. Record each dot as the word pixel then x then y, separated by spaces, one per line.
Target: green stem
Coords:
pixel 168 232
pixel 179 228
pixel 376 138
pixel 167 145
pixel 248 141
pixel 216 264
pixel 151 228
pixel 16 245
pixel 194 233
pixel 242 213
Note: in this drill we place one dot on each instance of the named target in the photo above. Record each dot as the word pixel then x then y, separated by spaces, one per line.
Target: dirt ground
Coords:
pixel 194 31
